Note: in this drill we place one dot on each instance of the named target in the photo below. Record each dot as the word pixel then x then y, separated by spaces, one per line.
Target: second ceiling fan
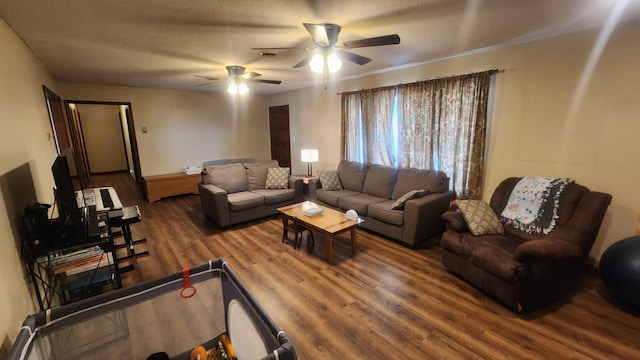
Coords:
pixel 237 77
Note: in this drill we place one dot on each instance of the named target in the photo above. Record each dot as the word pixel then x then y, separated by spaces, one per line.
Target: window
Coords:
pixel 435 124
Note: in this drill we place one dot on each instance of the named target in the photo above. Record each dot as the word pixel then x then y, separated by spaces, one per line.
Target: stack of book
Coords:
pixel 79 261
pixel 86 272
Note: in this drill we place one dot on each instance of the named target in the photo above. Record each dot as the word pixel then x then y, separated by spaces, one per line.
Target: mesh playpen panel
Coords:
pixel 152 317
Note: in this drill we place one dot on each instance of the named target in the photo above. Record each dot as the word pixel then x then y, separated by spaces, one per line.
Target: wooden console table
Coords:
pixel 159 186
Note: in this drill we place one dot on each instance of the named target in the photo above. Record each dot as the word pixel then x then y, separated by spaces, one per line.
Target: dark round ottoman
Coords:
pixel 620 270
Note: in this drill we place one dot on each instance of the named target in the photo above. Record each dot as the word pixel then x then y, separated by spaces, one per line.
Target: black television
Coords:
pixel 70 218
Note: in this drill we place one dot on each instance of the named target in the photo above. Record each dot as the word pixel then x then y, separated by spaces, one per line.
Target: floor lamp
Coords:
pixel 309 156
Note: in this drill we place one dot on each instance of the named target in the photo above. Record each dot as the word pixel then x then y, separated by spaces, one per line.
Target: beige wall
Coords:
pixel 186 128
pixel 26 154
pixel 102 131
pixel 547 120
pixel 539 127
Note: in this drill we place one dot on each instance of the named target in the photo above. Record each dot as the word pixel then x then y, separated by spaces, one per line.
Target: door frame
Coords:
pixel 280 109
pixel 133 142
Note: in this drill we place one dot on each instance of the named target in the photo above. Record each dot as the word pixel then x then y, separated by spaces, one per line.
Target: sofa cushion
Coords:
pixel 480 217
pixel 331 197
pixel 383 211
pixel 244 200
pixel 493 253
pixel 232 178
pixel 257 173
pixel 329 180
pixel 411 179
pixel 399 203
pixel 380 181
pixel 359 203
pixel 277 178
pixel 352 174
pixel 276 196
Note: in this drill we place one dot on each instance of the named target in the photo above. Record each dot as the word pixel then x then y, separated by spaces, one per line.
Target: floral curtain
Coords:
pixel 435 124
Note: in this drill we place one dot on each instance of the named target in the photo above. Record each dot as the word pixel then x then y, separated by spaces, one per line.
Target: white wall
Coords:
pixel 27 151
pixel 546 121
pixel 186 128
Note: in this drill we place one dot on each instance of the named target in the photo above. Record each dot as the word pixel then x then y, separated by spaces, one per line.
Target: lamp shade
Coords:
pixel 309 155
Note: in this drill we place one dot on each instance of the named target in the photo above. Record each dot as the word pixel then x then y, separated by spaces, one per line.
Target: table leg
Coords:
pixel 284 226
pixel 329 247
pixel 353 241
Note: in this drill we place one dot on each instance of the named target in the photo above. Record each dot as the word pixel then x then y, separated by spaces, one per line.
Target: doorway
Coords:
pixel 279 135
pixel 122 118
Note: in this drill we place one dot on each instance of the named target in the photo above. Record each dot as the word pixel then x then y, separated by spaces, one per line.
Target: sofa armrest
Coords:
pixel 215 203
pixel 455 221
pixel 314 184
pixel 549 248
pixel 297 184
pixel 422 216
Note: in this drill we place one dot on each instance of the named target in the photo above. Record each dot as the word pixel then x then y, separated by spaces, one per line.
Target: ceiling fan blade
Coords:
pixel 279 48
pixel 354 58
pixel 303 63
pixel 318 33
pixel 374 41
pixel 276 82
pixel 207 77
pixel 323 34
pixel 249 75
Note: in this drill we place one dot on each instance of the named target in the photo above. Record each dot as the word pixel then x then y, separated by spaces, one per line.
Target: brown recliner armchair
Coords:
pixel 521 270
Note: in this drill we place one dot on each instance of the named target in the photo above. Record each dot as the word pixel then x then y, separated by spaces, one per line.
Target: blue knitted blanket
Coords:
pixel 533 204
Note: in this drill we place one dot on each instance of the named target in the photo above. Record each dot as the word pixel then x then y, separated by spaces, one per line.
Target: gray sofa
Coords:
pixel 371 190
pixel 233 191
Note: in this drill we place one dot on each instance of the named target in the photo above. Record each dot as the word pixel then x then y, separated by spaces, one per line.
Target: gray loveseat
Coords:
pixel 233 191
pixel 371 190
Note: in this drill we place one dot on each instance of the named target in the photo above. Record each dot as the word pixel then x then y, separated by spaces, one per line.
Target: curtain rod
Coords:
pixel 491 73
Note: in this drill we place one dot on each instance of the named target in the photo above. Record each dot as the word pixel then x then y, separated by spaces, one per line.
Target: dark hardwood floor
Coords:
pixel 387 302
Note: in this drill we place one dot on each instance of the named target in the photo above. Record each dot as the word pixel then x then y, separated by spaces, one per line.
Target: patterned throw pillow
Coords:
pixel 480 217
pixel 330 180
pixel 277 178
pixel 399 203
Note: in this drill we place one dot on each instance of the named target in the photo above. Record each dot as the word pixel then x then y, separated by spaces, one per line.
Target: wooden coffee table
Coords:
pixel 330 222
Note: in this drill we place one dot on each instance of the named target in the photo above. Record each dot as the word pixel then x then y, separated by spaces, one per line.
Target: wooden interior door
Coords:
pixel 79 150
pixel 279 132
pixel 56 115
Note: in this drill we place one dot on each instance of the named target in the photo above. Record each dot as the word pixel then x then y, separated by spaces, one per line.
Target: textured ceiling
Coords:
pixel 167 43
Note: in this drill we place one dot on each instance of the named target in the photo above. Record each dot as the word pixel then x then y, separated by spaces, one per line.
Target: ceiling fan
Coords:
pixel 238 74
pixel 325 39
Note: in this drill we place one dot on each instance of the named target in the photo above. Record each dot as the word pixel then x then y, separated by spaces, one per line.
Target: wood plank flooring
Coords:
pixel 387 302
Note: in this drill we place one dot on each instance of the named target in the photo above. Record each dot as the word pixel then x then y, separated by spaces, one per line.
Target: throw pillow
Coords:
pixel 277 178
pixel 399 203
pixel 480 217
pixel 330 180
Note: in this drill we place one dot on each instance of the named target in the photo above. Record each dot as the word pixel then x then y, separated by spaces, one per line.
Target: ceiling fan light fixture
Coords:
pixel 333 63
pixel 237 87
pixel 321 62
pixel 243 88
pixel 233 87
pixel 317 64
